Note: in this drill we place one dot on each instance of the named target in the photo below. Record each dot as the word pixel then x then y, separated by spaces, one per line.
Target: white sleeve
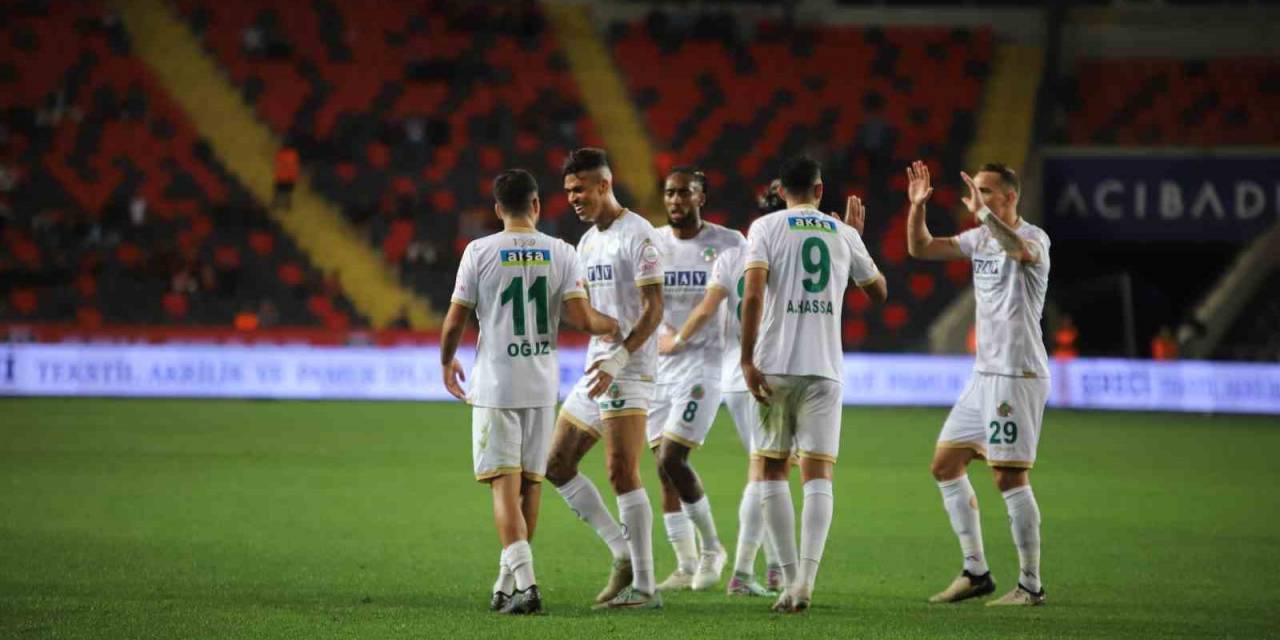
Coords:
pixel 757 246
pixel 647 260
pixel 466 286
pixel 862 269
pixel 722 272
pixel 572 280
pixel 968 241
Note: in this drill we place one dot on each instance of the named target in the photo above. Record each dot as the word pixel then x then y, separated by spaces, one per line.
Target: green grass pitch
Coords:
pixel 190 519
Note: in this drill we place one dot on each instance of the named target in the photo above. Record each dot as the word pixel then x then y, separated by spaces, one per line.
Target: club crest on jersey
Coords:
pixel 684 279
pixel 811 223
pixel 614 391
pixel 709 254
pixel 697 392
pixel 599 272
pixel 1004 410
pixel 524 257
pixel 648 255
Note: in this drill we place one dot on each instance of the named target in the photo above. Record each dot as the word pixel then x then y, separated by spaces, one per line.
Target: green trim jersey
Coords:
pixel 1010 301
pixel 727 275
pixel 517 282
pixel 687 268
pixel 617 262
pixel 811 257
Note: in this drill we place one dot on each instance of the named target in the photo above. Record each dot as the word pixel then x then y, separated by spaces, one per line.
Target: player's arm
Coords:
pixel 877 289
pixel 706 309
pixel 1014 246
pixel 606 369
pixel 455 322
pixel 755 279
pixel 580 315
pixel 920 243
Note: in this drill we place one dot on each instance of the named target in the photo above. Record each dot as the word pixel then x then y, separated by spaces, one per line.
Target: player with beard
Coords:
pixel 688 393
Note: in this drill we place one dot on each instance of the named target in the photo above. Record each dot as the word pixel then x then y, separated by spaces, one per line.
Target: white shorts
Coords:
pixel 511 441
pixel 623 398
pixel 683 412
pixel 999 417
pixel 803 414
pixel 745 412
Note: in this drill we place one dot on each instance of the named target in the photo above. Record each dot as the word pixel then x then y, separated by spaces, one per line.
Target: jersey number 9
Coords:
pixel 818 267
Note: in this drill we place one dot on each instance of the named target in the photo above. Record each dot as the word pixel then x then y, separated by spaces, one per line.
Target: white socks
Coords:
pixel 961 504
pixel 780 520
pixel 637 518
pixel 680 533
pixel 506 581
pixel 585 501
pixel 519 557
pixel 815 523
pixel 750 529
pixel 1024 520
pixel 700 513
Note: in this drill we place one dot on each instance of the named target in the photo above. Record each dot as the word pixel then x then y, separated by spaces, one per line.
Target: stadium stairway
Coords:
pixel 248 149
pixel 609 105
pixel 1005 124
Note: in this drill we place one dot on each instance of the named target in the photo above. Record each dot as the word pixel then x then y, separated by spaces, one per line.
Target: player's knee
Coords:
pixel 623 475
pixel 775 469
pixel 673 464
pixel 560 469
pixel 1009 478
pixel 942 470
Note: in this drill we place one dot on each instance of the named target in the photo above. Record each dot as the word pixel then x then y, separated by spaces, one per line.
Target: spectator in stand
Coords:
pixel 1163 345
pixel 287 168
pixel 1064 339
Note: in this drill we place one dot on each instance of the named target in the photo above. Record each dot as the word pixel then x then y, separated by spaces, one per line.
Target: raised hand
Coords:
pixel 973 201
pixel 918 187
pixel 855 215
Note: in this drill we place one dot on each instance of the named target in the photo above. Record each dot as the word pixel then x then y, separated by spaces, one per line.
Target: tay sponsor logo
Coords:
pixel 600 273
pixel 986 267
pixel 685 279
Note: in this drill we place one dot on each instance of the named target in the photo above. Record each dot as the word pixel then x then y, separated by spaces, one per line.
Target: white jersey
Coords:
pixel 687 268
pixel 617 262
pixel 517 281
pixel 810 257
pixel 1010 300
pixel 727 276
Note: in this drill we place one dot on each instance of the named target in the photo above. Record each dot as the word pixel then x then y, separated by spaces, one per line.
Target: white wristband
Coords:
pixel 613 363
pixel 679 340
pixel 983 213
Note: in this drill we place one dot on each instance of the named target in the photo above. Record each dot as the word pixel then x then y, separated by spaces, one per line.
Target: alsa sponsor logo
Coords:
pixel 811 223
pixel 986 267
pixel 600 273
pixel 524 257
pixel 684 279
pixel 819 307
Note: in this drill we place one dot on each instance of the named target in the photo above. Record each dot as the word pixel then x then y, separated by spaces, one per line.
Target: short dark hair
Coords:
pixel 800 174
pixel 695 174
pixel 515 189
pixel 585 159
pixel 1007 175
